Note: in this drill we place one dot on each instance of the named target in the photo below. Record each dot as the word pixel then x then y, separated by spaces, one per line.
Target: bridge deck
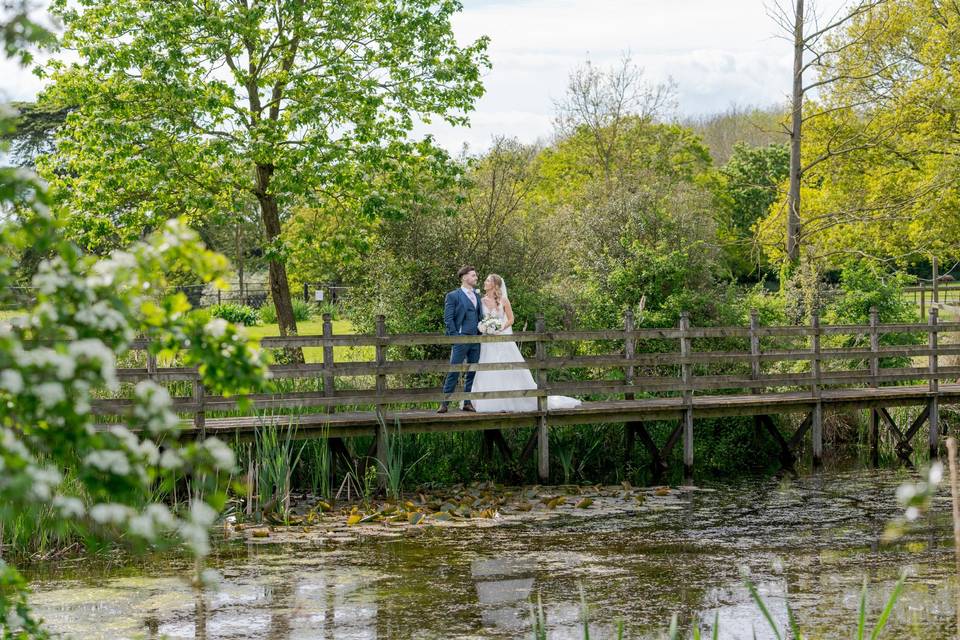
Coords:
pixel 360 423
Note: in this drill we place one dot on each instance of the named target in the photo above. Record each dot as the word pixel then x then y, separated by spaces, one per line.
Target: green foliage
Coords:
pixel 753 176
pixel 302 311
pixel 236 313
pixel 312 103
pixel 750 186
pixel 864 286
pixel 879 144
pixel 87 314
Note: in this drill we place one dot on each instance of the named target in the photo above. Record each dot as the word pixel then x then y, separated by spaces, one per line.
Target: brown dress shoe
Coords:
pixel 467 406
pixel 443 408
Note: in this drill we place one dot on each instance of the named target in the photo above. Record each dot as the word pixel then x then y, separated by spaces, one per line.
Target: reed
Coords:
pixel 277 454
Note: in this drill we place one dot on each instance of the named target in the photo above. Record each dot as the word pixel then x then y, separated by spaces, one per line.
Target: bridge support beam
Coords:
pixel 543 449
pixel 688 445
pixel 934 420
pixel 816 435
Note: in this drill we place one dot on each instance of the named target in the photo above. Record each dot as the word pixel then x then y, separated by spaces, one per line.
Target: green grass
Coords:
pixel 315 328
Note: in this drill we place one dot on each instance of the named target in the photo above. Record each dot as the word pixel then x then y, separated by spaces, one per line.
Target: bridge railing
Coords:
pixel 764 359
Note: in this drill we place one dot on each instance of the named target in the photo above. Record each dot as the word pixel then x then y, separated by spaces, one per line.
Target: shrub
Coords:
pixel 302 311
pixel 268 313
pixel 236 313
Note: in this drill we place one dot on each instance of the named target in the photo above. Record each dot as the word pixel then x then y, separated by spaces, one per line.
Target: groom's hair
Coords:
pixel 465 270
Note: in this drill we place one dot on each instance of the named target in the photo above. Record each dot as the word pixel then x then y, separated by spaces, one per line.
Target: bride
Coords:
pixel 496 304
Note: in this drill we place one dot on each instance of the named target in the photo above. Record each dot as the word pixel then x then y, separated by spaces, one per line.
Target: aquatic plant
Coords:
pixel 394 472
pixel 277 454
pixel 319 464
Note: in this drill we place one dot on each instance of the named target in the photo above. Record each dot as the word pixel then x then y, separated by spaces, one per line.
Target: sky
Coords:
pixel 720 53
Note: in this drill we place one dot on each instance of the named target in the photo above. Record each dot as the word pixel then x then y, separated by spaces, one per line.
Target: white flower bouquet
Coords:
pixel 490 326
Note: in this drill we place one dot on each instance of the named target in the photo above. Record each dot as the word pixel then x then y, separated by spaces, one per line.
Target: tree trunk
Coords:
pixel 793 200
pixel 279 286
pixel 239 250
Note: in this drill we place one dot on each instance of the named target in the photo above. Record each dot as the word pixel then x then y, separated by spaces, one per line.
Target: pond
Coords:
pixel 808 543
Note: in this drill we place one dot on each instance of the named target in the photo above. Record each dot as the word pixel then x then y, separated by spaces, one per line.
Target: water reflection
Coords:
pixel 807 543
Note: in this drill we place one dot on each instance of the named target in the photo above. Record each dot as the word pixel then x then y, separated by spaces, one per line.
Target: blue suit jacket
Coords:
pixel 460 317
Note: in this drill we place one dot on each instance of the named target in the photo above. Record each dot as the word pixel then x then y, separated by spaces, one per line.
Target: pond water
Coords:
pixel 808 543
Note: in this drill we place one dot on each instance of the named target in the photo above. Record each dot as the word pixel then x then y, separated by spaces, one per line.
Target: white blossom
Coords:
pixel 11 381
pixel 222 454
pixel 195 537
pixel 97 353
pixel 905 492
pixel 43 482
pixel 216 327
pixel 69 506
pixel 110 513
pixel 142 525
pixel 935 475
pixel 170 459
pixel 109 460
pixel 50 393
pixel 161 515
pixel 202 513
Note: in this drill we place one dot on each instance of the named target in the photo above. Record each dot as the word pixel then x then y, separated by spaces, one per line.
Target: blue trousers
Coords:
pixel 469 353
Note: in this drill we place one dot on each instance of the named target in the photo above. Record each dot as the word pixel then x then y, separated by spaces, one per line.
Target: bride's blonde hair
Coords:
pixel 498 287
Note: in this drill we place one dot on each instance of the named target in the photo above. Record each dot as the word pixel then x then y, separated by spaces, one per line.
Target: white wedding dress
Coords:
pixel 509 379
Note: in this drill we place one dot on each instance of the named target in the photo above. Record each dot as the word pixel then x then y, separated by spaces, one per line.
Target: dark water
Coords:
pixel 809 543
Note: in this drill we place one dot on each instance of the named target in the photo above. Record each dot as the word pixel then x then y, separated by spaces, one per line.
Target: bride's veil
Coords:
pixel 503 289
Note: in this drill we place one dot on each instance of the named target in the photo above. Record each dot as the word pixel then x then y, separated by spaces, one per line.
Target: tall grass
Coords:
pixel 317 465
pixel 393 469
pixel 277 453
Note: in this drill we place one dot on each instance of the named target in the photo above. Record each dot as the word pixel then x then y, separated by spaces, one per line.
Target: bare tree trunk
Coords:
pixel 279 286
pixel 793 200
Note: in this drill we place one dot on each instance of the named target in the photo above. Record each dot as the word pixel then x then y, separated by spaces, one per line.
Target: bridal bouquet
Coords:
pixel 490 325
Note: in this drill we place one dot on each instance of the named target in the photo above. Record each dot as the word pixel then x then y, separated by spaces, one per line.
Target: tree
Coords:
pixel 602 101
pixel 807 34
pixel 185 108
pixel 881 178
pixel 755 127
pixel 751 183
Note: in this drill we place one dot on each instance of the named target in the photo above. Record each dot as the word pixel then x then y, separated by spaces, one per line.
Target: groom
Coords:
pixel 462 312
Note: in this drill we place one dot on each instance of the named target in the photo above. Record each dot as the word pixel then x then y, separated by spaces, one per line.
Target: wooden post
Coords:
pixel 199 417
pixel 628 354
pixel 330 389
pixel 329 378
pixel 151 365
pixel 816 425
pixel 543 436
pixel 685 374
pixel 874 435
pixel 923 302
pixel 934 414
pixel 381 355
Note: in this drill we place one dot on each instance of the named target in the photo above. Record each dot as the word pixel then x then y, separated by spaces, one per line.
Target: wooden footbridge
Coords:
pixel 629 375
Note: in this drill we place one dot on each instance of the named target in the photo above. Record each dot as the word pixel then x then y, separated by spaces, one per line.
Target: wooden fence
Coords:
pixel 635 375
